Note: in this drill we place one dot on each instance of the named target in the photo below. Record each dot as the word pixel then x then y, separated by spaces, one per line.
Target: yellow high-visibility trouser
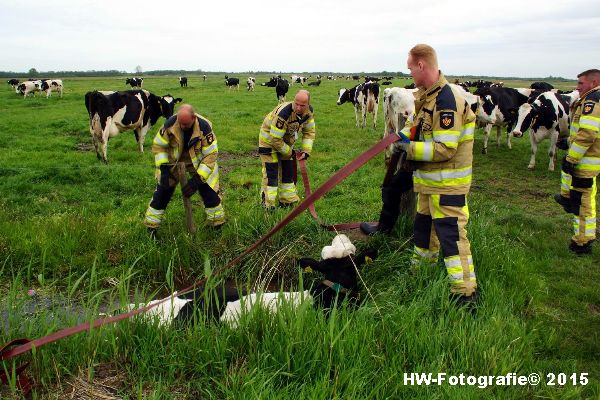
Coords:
pixel 277 179
pixel 440 223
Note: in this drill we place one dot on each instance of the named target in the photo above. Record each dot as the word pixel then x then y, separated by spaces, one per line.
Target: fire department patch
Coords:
pixel 210 138
pixel 446 120
pixel 280 123
pixel 588 107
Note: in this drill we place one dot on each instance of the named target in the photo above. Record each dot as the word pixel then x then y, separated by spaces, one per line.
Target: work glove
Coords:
pixel 192 186
pixel 568 167
pixel 402 144
pixel 302 155
pixel 165 172
pixel 563 143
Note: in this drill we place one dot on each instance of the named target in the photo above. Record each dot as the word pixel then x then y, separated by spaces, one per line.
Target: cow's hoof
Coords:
pixel 531 167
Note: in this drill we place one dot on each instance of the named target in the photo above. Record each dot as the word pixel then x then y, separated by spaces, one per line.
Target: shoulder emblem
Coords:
pixel 280 123
pixel 446 120
pixel 209 138
pixel 588 107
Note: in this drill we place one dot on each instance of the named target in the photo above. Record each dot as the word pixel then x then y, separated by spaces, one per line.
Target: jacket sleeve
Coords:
pixel 276 132
pixel 208 157
pixel 160 148
pixel 308 134
pixel 447 126
pixel 589 125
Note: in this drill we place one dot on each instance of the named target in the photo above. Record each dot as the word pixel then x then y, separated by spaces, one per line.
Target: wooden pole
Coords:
pixel 187 203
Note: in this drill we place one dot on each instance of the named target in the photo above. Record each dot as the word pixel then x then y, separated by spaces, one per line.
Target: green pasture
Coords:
pixel 71 228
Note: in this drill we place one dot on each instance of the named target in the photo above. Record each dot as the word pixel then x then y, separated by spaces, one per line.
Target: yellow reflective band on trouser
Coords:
pixel 565 184
pixel 424 256
pixel 270 195
pixel 457 270
pixel 160 141
pixel 287 193
pixel 589 122
pixel 307 145
pixel 576 151
pixel 153 217
pixel 445 177
pixel 215 215
pixel 423 151
pixel 160 159
pixel 584 224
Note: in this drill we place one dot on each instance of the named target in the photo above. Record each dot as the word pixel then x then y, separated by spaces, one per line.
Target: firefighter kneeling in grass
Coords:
pixel 186 137
pixel 278 133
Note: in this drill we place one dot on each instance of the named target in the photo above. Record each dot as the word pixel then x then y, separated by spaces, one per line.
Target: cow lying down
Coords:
pixel 223 304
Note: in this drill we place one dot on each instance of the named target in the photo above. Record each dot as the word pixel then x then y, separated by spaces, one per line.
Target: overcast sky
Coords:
pixel 521 38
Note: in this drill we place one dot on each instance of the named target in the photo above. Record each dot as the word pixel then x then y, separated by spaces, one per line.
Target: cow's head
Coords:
pixel 487 110
pixel 272 82
pixel 45 85
pixel 161 106
pixel 343 96
pixel 525 115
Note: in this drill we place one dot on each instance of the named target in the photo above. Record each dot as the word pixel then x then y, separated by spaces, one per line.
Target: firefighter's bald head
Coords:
pixel 301 102
pixel 185 116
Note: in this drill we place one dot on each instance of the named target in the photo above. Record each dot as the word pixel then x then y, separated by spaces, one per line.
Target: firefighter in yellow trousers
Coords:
pixel 443 128
pixel 582 163
pixel 186 137
pixel 281 128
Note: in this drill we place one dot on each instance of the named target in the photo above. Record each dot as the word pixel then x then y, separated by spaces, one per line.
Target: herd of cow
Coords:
pixel 540 108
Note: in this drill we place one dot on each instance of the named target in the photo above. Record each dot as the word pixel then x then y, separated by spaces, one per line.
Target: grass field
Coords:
pixel 71 228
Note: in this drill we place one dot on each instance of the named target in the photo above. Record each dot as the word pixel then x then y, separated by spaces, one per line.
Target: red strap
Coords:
pixel 339 176
pixel 23 382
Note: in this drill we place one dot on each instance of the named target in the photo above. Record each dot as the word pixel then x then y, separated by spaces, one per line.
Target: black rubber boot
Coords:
pixel 467 302
pixel 581 250
pixel 565 202
pixel 368 228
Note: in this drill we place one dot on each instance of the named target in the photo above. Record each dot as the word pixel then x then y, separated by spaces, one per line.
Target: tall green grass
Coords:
pixel 71 227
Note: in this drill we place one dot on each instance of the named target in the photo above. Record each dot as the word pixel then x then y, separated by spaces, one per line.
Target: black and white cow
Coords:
pixel 134 82
pixel 365 99
pixel 111 113
pixel 499 107
pixel 250 82
pixel 541 86
pixel 14 83
pixel 183 81
pixel 29 87
pixel 52 84
pixel 232 82
pixel 386 83
pixel 548 116
pixel 229 304
pixel 331 78
pixel 398 106
pixel 281 87
pixel 204 77
pixel 315 83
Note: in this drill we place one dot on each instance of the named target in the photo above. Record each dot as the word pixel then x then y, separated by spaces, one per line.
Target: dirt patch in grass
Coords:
pixel 72 133
pixel 84 147
pixel 106 383
pixel 594 308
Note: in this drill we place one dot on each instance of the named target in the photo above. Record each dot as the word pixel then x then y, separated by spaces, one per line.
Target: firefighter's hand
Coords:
pixel 568 167
pixel 192 186
pixel 402 144
pixel 302 155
